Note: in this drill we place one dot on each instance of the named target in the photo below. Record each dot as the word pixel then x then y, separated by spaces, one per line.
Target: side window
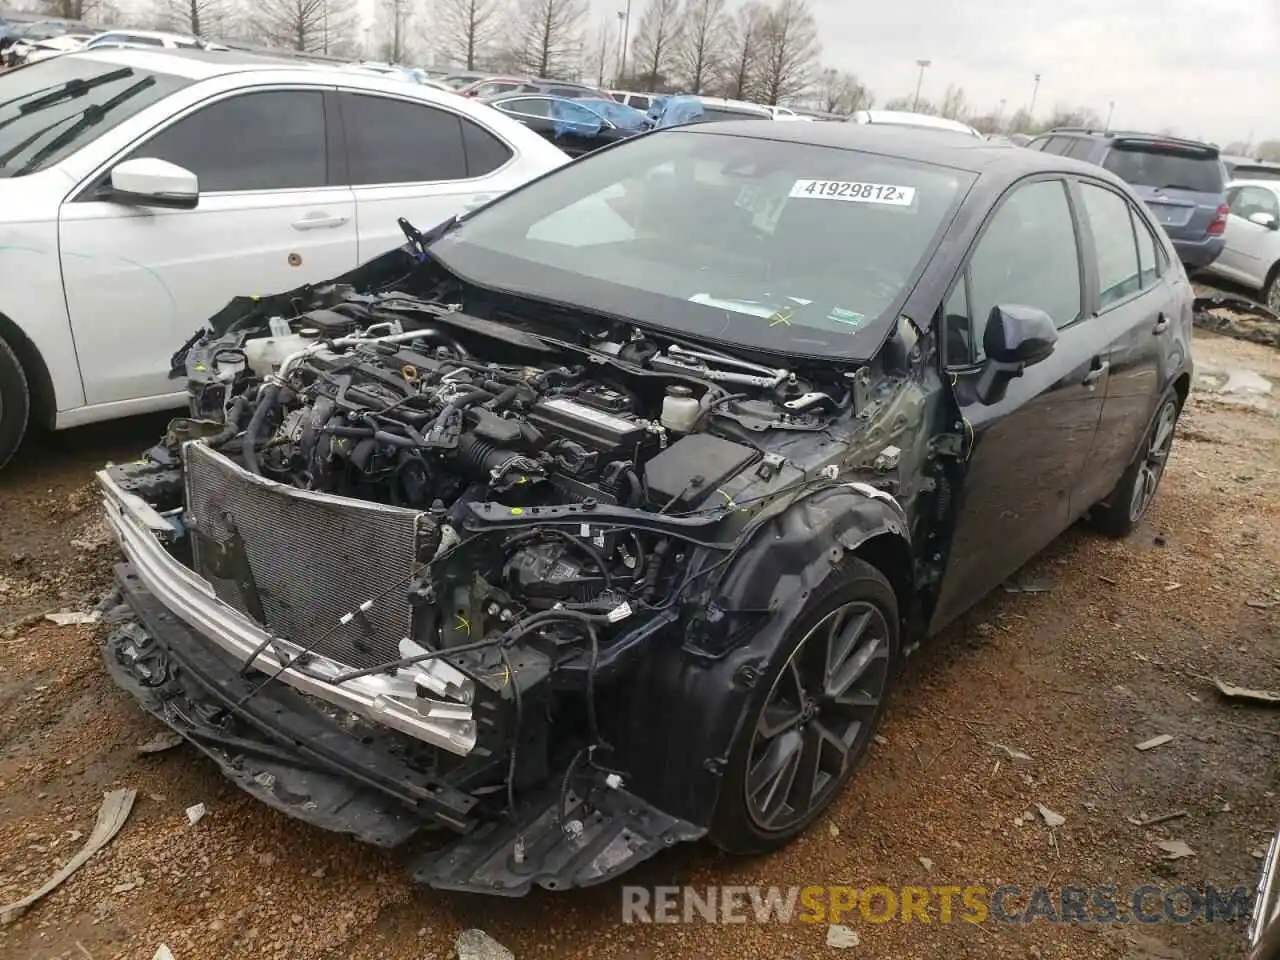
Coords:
pixel 485 152
pixel 145 41
pixel 1056 145
pixel 1149 261
pixel 958 326
pixel 1027 255
pixel 577 113
pixel 1038 144
pixel 530 106
pixel 286 150
pixel 398 141
pixel 1251 200
pixel 1114 245
pixel 1080 148
pixel 640 103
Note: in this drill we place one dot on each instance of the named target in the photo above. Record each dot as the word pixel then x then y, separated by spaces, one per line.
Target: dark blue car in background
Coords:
pixel 1184 182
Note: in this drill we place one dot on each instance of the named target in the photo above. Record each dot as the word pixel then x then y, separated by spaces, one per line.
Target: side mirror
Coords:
pixel 1264 219
pixel 151 182
pixel 1016 337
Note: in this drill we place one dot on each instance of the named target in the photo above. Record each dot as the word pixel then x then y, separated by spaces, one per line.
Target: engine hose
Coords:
pixel 236 411
pixel 652 574
pixel 635 493
pixel 503 398
pixel 454 405
pixel 268 397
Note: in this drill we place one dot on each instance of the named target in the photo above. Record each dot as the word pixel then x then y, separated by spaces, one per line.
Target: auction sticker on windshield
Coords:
pixel 854 192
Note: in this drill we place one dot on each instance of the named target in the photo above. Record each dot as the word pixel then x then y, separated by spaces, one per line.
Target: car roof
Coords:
pixel 909 118
pixel 1129 136
pixel 1272 185
pixel 156 34
pixel 205 64
pixel 733 104
pixel 959 151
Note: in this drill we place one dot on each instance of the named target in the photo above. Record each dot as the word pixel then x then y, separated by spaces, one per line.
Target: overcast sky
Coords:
pixel 1207 68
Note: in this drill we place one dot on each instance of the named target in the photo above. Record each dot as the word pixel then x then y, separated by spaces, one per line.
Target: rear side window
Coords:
pixel 1115 247
pixel 1150 262
pixel 397 141
pixel 1079 148
pixel 1246 201
pixel 1167 168
pixel 485 152
pixel 529 106
pixel 286 150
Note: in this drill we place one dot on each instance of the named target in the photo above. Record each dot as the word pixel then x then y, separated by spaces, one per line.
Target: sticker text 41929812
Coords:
pixel 853 192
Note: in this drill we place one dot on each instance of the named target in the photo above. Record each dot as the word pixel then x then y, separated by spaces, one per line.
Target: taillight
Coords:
pixel 1219 225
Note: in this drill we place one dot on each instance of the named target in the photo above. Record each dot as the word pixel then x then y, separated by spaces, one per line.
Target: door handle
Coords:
pixel 1161 326
pixel 1093 376
pixel 319 221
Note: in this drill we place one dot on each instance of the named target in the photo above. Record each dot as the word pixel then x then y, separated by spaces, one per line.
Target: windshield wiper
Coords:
pixel 75 87
pixel 90 116
pixel 1176 186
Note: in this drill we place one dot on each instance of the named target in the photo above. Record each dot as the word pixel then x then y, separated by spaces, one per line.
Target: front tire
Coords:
pixel 1271 292
pixel 15 403
pixel 818 705
pixel 1133 495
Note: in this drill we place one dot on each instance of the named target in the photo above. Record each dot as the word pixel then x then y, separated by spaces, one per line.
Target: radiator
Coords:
pixel 298 561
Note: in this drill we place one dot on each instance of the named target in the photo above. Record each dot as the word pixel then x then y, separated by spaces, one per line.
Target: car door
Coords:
pixel 1026 453
pixel 416 160
pixel 1250 248
pixel 269 218
pixel 1136 306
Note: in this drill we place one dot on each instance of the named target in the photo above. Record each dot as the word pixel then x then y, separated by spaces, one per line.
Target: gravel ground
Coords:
pixel 1117 652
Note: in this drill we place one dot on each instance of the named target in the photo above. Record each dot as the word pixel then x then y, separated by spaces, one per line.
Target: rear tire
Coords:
pixel 1133 495
pixel 814 712
pixel 15 403
pixel 1271 292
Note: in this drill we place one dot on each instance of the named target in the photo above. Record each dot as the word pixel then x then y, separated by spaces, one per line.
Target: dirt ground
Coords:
pixel 1118 651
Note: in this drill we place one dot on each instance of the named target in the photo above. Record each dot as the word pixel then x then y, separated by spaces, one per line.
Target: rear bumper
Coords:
pixel 1199 253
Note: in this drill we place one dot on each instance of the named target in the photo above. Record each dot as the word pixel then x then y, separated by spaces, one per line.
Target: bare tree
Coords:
pixel 70 9
pixel 604 51
pixel 1063 116
pixel 789 49
pixel 954 106
pixel 841 92
pixel 197 17
pixel 394 18
pixel 307 25
pixel 702 45
pixel 747 38
pixel 549 36
pixel 466 29
pixel 654 45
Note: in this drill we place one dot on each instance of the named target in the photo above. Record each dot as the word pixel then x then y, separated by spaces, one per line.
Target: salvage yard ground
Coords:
pixel 1120 650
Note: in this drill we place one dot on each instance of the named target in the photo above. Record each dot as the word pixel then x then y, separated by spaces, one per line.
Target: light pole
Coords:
pixel 1000 117
pixel 626 31
pixel 919 80
pixel 1111 109
pixel 1031 111
pixel 621 17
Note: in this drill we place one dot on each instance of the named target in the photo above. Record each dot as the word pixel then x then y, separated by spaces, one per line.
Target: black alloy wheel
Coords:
pixel 819 704
pixel 1136 491
pixel 820 707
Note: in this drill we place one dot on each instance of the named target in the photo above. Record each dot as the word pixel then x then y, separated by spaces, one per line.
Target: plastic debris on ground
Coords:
pixel 111 817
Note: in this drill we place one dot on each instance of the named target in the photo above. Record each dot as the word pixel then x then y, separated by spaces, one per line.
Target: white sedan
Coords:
pixel 1251 249
pixel 141 190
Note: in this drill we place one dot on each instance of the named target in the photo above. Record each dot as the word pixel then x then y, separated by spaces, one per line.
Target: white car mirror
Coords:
pixel 1264 219
pixel 151 182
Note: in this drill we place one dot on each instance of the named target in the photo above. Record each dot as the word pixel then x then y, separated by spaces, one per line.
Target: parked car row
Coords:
pixel 30 47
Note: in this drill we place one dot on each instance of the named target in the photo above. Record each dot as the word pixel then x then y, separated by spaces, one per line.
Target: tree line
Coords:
pixel 767 52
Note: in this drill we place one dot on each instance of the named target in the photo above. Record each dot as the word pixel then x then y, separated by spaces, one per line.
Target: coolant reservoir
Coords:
pixel 265 353
pixel 680 410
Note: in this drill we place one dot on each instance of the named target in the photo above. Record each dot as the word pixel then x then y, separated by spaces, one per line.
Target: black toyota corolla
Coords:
pixel 602 519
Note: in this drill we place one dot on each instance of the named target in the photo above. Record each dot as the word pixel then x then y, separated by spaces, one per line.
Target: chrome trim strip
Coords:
pixel 136 526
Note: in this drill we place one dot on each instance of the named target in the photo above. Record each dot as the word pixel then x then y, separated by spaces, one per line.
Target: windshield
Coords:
pixel 777 245
pixel 1147 166
pixel 1246 172
pixel 50 109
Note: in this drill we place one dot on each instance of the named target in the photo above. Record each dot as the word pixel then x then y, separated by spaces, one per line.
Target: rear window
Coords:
pixel 1245 172
pixel 1162 167
pixel 728 113
pixel 54 107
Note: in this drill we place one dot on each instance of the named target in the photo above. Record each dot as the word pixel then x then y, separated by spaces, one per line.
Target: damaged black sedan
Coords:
pixel 603 519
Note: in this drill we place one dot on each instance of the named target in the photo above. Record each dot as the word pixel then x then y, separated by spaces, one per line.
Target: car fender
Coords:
pixel 33 311
pixel 693 696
